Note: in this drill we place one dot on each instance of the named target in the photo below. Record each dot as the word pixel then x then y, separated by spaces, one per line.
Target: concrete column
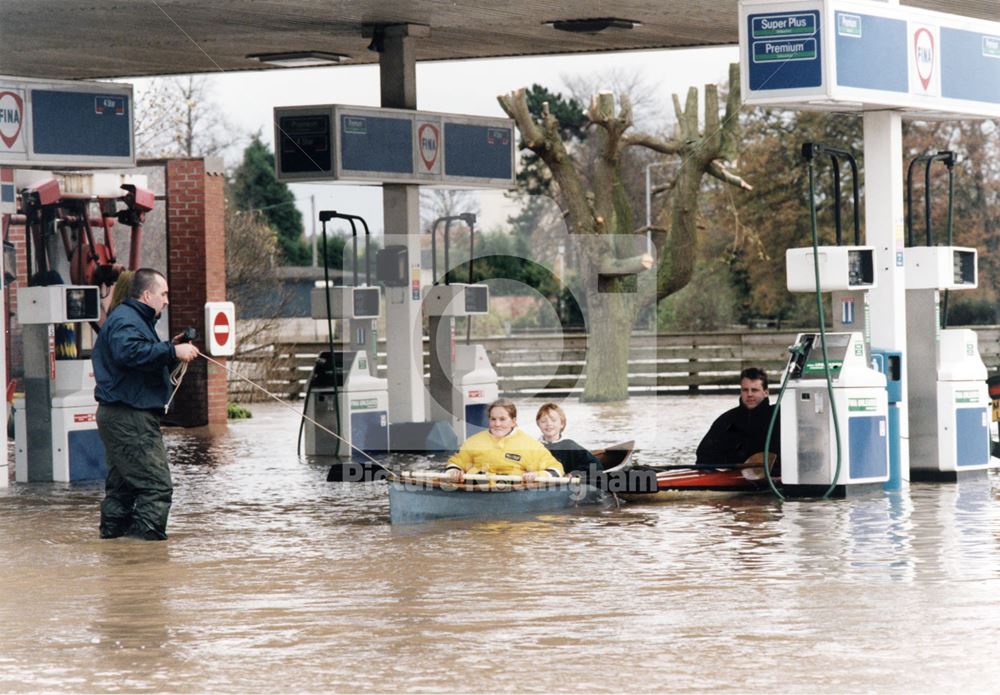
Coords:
pixel 196 271
pixel 401 217
pixel 885 230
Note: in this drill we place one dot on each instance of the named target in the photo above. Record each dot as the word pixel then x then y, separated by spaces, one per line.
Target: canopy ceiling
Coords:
pixel 81 39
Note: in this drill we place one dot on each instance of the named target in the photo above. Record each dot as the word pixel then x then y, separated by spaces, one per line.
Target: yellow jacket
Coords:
pixel 514 454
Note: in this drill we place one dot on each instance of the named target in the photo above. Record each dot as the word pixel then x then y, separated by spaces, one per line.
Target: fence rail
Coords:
pixel 552 365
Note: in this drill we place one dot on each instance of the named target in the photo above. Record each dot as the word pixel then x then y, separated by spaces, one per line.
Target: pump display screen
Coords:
pixel 965 268
pixel 477 299
pixel 366 302
pixel 82 304
pixel 860 268
pixel 304 143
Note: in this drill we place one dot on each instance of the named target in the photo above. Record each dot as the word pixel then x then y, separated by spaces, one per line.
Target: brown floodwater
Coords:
pixel 275 580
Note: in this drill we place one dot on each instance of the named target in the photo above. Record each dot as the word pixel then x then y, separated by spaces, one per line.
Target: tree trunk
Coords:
pixel 610 316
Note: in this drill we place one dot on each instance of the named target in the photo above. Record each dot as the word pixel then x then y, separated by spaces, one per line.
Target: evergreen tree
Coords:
pixel 255 187
pixel 534 177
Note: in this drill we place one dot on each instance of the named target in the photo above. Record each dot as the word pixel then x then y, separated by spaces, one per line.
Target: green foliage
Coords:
pixel 255 186
pixel 969 311
pixel 335 245
pixel 533 176
pixel 507 257
pixel 235 411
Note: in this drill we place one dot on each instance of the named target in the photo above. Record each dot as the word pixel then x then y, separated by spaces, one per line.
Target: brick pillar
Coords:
pixel 196 272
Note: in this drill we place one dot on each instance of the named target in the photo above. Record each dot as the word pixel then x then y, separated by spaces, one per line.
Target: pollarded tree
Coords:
pixel 594 203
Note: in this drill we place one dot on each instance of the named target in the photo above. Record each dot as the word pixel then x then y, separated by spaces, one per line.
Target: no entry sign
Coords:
pixel 220 327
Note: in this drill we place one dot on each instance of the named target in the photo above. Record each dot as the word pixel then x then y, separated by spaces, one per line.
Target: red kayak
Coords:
pixel 748 479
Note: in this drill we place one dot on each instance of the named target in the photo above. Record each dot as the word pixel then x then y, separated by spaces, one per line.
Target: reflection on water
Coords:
pixel 275 580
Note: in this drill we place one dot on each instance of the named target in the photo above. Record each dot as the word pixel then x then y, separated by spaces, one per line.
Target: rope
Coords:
pixel 176 377
pixel 292 408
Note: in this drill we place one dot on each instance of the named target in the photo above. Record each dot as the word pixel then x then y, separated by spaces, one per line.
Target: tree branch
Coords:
pixel 653 143
pixel 716 169
pixel 626 266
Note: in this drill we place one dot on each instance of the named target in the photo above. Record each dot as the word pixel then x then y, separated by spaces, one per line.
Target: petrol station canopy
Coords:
pixel 74 39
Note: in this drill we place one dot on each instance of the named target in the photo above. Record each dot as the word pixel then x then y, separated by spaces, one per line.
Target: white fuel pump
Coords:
pixel 343 395
pixel 834 409
pixel 462 381
pixel 55 425
pixel 812 423
pixel 949 398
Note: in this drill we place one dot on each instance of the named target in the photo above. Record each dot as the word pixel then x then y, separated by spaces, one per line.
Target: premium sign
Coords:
pixel 851 55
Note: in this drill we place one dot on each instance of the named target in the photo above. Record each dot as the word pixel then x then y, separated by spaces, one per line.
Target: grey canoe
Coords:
pixel 417 497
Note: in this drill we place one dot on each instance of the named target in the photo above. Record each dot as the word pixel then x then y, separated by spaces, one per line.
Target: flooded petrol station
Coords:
pixel 275 580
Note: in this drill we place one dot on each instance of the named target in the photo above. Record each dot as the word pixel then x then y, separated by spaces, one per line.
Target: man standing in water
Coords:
pixel 132 369
pixel 739 433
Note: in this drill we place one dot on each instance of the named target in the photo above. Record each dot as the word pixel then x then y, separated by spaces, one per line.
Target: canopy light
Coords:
pixel 592 26
pixel 300 59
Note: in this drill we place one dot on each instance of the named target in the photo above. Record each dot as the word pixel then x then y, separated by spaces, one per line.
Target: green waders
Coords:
pixel 138 490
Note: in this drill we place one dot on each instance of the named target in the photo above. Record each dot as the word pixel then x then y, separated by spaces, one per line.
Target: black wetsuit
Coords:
pixel 739 433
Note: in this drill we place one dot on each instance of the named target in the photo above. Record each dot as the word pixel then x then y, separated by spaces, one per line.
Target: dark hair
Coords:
pixel 755 374
pixel 142 280
pixel 506 404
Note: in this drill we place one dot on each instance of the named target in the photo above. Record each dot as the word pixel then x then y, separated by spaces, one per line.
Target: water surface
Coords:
pixel 275 580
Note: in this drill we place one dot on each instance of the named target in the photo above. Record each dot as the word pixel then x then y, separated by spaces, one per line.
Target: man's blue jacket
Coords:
pixel 131 364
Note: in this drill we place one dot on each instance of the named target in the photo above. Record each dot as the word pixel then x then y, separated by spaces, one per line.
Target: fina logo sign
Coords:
pixel 924 77
pixel 11 119
pixel 429 144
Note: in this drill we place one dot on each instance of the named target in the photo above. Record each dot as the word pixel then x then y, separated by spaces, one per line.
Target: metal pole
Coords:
pixel 649 208
pixel 312 208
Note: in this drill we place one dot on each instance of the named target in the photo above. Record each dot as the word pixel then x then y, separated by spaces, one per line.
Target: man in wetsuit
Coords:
pixel 741 432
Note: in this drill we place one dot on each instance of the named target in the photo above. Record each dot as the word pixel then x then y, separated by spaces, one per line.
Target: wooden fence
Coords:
pixel 540 365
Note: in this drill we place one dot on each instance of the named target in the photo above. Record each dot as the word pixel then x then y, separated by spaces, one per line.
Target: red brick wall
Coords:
pixel 196 271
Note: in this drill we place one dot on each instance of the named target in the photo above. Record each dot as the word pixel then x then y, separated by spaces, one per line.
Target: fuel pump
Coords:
pixel 949 403
pixel 834 429
pixel 462 381
pixel 55 429
pixel 343 394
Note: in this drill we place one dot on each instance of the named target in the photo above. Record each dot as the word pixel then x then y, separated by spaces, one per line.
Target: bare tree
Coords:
pixel 175 117
pixel 436 203
pixel 595 206
pixel 254 287
pixel 646 105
